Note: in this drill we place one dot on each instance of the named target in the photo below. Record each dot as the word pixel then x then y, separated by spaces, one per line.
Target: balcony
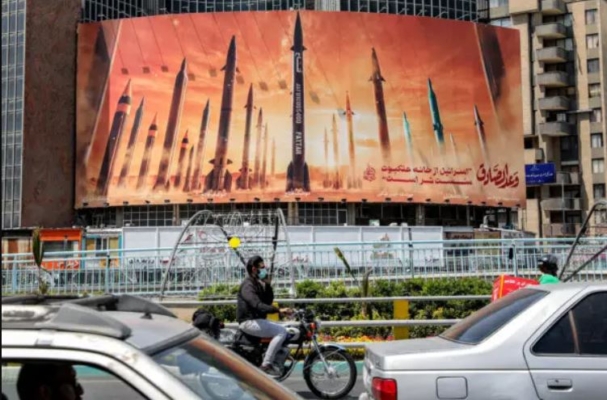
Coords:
pixel 551 31
pixel 559 204
pixel 553 7
pixel 533 155
pixel 553 79
pixel 555 129
pixel 596 127
pixel 560 230
pixel 595 102
pixel 567 178
pixel 554 103
pixel 552 55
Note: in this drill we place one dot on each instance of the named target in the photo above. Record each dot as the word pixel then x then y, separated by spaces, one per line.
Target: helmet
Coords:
pixel 548 262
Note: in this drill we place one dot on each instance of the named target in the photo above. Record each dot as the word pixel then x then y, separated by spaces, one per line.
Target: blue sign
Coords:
pixel 540 174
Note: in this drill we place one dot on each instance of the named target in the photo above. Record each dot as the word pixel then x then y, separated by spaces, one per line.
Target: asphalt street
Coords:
pixel 95 389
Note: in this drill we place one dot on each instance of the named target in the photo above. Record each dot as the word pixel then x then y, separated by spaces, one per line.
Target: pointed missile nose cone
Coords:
pixel 154 124
pixel 142 103
pixel 250 95
pixel 348 101
pixel 298 23
pixel 184 65
pixel 128 91
pixel 185 137
pixel 430 86
pixel 232 48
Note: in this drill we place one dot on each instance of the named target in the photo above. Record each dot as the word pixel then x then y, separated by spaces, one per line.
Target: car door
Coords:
pixel 98 376
pixel 567 357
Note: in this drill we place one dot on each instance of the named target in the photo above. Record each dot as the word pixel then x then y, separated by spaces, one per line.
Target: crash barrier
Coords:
pixel 140 271
pixel 400 323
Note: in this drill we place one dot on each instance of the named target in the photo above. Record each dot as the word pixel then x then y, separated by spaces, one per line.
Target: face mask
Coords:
pixel 262 273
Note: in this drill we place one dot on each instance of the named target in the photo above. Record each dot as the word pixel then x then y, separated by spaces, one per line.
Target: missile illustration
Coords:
pixel 184 147
pixel 244 181
pixel 337 179
pixel 298 176
pixel 353 181
pixel 128 157
pixel 380 108
pixel 264 163
pixel 408 138
pixel 273 164
pixel 204 127
pixel 257 168
pixel 437 125
pixel 327 180
pixel 147 152
pixel 188 175
pixel 219 179
pixel 168 148
pixel 120 116
pixel 454 149
pixel 480 130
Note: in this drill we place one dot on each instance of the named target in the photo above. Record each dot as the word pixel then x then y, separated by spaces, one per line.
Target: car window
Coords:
pixel 489 319
pixel 582 330
pixel 20 380
pixel 214 372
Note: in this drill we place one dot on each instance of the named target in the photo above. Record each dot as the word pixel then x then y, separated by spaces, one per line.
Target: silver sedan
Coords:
pixel 541 342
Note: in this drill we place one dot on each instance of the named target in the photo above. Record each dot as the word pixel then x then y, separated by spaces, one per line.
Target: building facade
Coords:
pixel 38 190
pixel 563 50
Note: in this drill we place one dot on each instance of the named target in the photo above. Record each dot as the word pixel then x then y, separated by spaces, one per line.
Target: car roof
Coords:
pixel 567 286
pixel 139 322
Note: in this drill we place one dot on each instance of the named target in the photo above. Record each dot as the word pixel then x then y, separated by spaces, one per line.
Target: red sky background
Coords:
pixel 337 60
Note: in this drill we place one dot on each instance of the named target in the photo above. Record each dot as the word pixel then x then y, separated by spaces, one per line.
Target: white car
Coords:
pixel 541 342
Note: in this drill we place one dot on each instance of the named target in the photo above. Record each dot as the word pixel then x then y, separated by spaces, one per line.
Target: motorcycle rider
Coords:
pixel 254 303
pixel 548 266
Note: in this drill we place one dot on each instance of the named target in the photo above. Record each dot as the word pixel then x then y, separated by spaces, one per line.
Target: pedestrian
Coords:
pixel 548 266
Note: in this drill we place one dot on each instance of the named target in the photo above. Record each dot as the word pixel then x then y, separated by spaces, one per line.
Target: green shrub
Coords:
pixel 454 309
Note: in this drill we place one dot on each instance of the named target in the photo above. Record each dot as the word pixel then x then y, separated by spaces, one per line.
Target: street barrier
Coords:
pixel 140 271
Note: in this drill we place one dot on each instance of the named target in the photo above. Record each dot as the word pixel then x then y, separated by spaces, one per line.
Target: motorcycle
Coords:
pixel 323 367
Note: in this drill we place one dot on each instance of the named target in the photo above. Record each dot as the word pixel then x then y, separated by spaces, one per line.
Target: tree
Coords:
pixel 38 253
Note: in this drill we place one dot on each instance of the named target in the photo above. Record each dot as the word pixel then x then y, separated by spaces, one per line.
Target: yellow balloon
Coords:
pixel 234 242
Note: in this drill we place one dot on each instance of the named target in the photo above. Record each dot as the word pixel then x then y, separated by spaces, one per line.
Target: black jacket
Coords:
pixel 254 301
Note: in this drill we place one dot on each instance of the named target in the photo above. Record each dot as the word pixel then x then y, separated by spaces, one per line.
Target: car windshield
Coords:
pixel 213 372
pixel 491 318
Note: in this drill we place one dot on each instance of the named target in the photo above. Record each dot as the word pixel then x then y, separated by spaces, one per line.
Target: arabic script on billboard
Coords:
pixel 253 106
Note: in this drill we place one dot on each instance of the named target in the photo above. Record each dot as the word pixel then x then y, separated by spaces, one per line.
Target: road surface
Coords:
pixel 297 384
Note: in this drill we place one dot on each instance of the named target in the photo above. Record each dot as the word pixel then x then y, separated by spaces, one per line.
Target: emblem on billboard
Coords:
pixel 369 174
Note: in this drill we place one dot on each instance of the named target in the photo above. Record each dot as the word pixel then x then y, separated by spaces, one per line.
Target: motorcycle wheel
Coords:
pixel 315 367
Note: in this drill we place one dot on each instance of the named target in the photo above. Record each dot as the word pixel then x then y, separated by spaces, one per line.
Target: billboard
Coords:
pixel 309 106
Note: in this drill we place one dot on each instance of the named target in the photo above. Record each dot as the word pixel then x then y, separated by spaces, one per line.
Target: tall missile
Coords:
pixel 353 181
pixel 454 149
pixel 337 179
pixel 244 181
pixel 380 109
pixel 184 147
pixel 204 127
pixel 120 116
pixel 408 138
pixel 168 148
pixel 187 186
pixel 480 130
pixel 219 178
pixel 273 164
pixel 437 125
pixel 147 152
pixel 257 168
pixel 264 180
pixel 327 179
pixel 298 176
pixel 128 157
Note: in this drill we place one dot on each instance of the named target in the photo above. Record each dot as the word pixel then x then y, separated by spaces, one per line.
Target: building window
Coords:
pixel 591 17
pixel 594 90
pixel 504 22
pixel 596 115
pixel 569 148
pixel 498 3
pixel 598 166
pixel 598 191
pixel 596 140
pixel 593 65
pixel 592 41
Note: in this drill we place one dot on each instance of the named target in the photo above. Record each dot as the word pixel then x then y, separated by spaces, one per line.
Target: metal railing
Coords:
pixel 140 271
